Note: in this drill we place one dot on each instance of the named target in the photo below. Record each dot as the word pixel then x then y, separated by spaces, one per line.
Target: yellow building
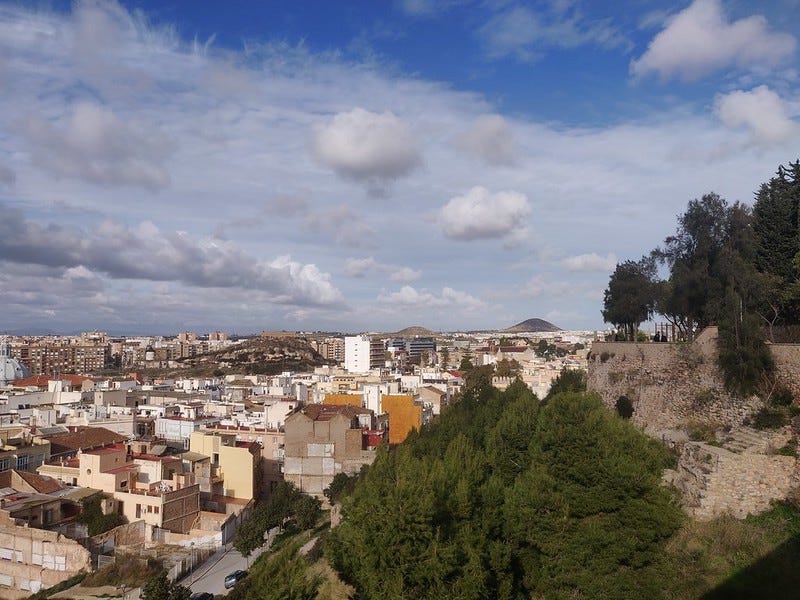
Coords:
pixel 234 463
pixel 344 399
pixel 404 415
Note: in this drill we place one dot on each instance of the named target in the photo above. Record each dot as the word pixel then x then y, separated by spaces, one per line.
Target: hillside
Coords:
pixel 535 325
pixel 261 355
pixel 415 330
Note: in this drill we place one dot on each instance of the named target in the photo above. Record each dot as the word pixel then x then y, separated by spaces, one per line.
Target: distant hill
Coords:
pixel 412 331
pixel 532 325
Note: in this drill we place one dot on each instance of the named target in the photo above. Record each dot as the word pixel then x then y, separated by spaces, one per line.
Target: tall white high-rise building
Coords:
pixel 356 353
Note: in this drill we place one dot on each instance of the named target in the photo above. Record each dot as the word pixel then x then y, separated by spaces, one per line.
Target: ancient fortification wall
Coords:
pixel 672 385
pixel 676 387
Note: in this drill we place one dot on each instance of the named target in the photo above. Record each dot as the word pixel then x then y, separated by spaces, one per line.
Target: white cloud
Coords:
pixel 95 145
pixel 410 297
pixel 700 40
pixel 372 148
pixel 522 33
pixel 591 262
pixel 405 274
pixel 360 267
pixel 481 214
pixel 761 111
pixel 491 139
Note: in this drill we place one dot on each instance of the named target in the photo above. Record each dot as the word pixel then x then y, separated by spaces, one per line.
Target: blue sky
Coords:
pixel 369 165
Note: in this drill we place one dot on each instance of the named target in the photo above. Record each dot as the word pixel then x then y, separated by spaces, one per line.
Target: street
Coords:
pixel 210 576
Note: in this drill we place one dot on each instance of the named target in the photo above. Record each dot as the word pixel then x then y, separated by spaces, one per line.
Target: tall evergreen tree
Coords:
pixel 776 226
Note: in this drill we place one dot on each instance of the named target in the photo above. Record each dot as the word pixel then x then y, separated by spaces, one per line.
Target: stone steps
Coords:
pixel 746 440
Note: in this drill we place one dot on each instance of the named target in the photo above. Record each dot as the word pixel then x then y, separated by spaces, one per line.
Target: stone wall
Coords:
pixel 714 480
pixel 672 385
pixel 675 387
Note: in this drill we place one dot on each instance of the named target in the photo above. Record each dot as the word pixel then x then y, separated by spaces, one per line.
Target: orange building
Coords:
pixel 343 399
pixel 404 415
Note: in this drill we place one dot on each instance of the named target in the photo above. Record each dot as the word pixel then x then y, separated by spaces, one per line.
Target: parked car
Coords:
pixel 233 578
pixel 201 596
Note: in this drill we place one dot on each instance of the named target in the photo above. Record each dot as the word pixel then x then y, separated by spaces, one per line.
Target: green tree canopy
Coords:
pixel 505 498
pixel 631 295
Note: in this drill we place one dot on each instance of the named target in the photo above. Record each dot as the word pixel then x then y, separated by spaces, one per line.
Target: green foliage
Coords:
pixel 285 502
pixel 159 588
pixel 307 510
pixel 59 587
pixel 507 368
pixel 569 380
pixel 775 225
pixel 624 407
pixel 92 515
pixel 503 497
pixel 743 354
pixel 465 364
pixel 770 417
pixel 341 485
pixel 282 576
pixel 631 295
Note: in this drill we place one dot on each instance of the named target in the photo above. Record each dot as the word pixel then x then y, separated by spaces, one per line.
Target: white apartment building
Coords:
pixel 356 353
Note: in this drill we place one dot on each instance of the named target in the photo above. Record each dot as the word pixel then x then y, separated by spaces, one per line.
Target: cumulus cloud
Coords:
pixel 371 148
pixel 146 253
pixel 481 214
pixel 521 33
pixel 490 139
pixel 700 40
pixel 93 144
pixel 405 274
pixel 409 297
pixel 591 262
pixel 360 267
pixel 761 111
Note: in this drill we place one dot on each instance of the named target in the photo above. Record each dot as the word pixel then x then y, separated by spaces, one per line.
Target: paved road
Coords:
pixel 210 576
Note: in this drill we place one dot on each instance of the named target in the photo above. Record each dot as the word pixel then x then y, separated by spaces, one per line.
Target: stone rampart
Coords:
pixel 672 385
pixel 714 480
pixel 675 387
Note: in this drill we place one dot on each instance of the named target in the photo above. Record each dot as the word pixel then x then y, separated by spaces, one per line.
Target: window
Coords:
pixel 4 464
pixel 22 463
pixel 155 509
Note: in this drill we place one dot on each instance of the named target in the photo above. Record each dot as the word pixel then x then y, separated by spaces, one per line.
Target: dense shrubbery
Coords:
pixel 507 498
pixel 285 502
pixel 96 521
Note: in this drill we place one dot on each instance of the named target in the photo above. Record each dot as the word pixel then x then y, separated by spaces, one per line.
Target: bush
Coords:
pixel 624 407
pixel 770 418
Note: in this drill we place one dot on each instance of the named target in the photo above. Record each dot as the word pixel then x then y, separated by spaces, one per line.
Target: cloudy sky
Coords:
pixel 169 165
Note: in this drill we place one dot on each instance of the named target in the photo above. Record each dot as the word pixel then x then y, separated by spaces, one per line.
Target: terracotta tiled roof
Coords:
pixel 85 438
pixel 41 483
pixel 324 412
pixel 41 380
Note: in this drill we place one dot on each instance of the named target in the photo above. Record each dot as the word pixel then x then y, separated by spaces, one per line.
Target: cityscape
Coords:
pixel 336 300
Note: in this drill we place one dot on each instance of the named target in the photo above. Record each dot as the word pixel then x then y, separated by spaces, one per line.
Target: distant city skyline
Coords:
pixel 325 166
